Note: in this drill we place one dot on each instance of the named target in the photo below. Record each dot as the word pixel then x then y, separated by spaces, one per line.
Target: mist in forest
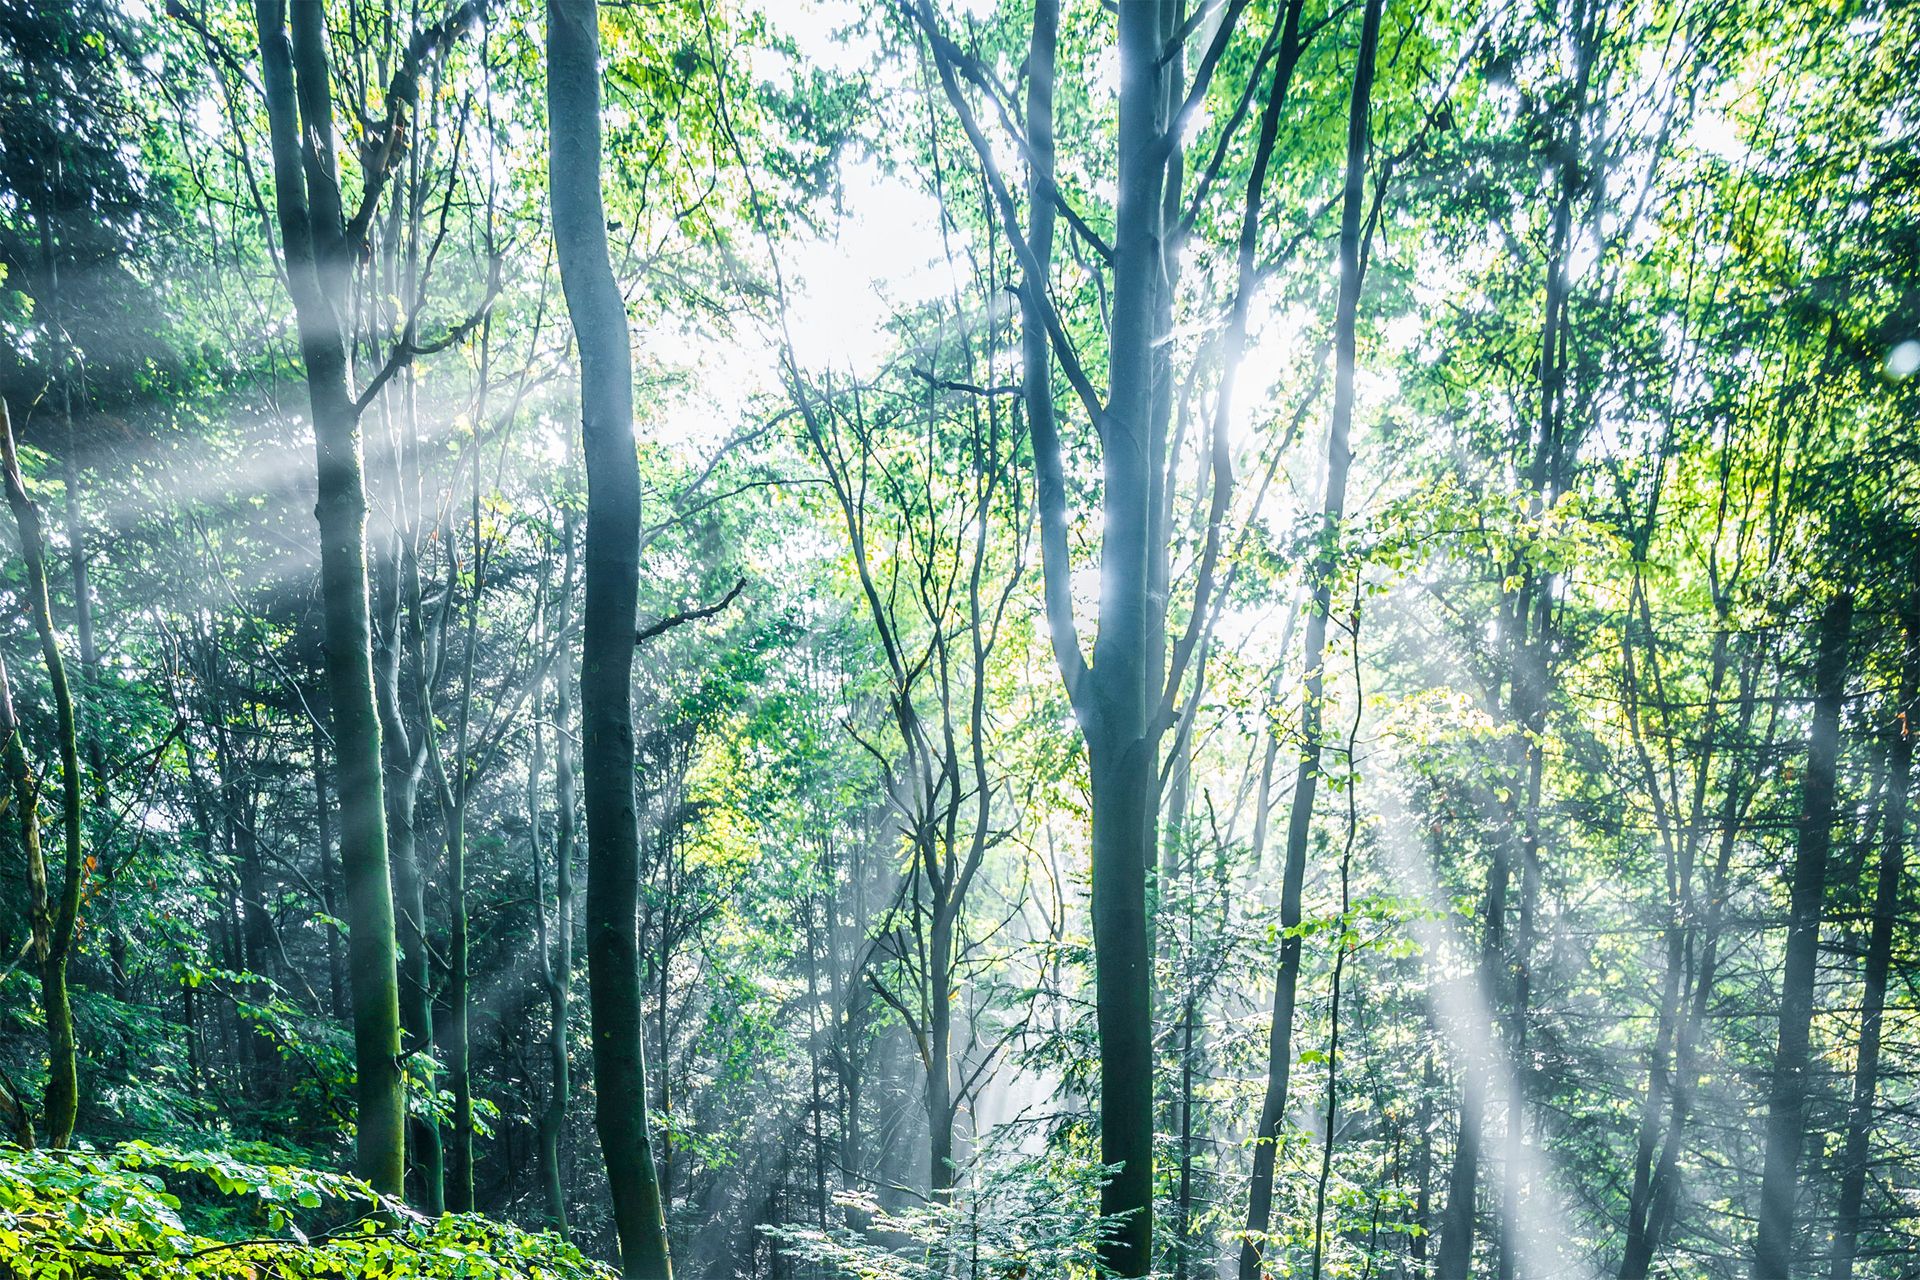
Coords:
pixel 918 639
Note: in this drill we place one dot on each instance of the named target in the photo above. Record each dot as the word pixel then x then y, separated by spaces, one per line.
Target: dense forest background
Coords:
pixel 1233 637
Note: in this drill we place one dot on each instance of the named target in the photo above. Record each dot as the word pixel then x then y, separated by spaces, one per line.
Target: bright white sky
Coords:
pixel 884 250
pixel 881 252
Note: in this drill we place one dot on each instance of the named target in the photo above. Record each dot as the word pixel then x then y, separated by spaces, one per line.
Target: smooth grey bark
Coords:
pixel 1122 749
pixel 426 1153
pixel 408 649
pixel 455 786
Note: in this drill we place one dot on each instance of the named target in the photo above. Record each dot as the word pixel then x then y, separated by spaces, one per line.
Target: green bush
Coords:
pixel 143 1211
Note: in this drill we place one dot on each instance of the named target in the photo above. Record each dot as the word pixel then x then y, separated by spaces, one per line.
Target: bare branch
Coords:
pixel 673 620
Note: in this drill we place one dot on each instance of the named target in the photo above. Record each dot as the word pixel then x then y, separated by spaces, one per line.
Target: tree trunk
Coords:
pixel 1682 920
pixel 301 128
pixel 455 792
pixel 329 874
pixel 1663 1187
pixel 1886 912
pixel 1787 1097
pixel 816 1101
pixel 1455 1255
pixel 559 960
pixel 56 923
pixel 454 1033
pixel 190 1019
pixel 404 760
pixel 939 1064
pixel 599 321
pixel 1122 748
pixel 425 1156
pixel 1422 1175
pixel 21 799
pixel 1333 509
pixel 63 376
pixel 663 977
pixel 256 926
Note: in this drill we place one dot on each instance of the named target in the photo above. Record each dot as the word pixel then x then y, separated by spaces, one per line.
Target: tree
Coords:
pixel 1886 908
pixel 1320 608
pixel 1124 698
pixel 54 919
pixel 556 958
pixel 611 579
pixel 319 241
pixel 1569 355
pixel 1787 1097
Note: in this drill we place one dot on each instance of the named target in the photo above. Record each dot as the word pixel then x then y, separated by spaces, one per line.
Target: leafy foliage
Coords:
pixel 143 1211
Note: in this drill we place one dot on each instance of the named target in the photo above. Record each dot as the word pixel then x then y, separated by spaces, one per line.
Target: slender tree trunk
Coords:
pixel 1787 1096
pixel 1682 923
pixel 1333 510
pixel 612 584
pixel 1663 1190
pixel 426 1155
pixel 404 683
pixel 455 1036
pixel 816 1101
pixel 1332 1115
pixel 940 1052
pixel 559 958
pixel 306 190
pixel 238 1045
pixel 1692 950
pixel 455 792
pixel 22 801
pixel 1454 1260
pixel 1854 1161
pixel 89 654
pixel 58 921
pixel 190 1019
pixel 1547 477
pixel 1528 622
pixel 1513 1186
pixel 329 873
pixel 663 977
pixel 62 366
pixel 1422 1175
pixel 256 927
pixel 548 1144
pixel 1036 378
pixel 404 761
pixel 1180 847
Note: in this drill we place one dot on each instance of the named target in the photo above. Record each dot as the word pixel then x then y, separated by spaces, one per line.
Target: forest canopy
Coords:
pixel 934 638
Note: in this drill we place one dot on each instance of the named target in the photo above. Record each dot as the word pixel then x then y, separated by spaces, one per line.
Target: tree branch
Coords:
pixel 673 620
